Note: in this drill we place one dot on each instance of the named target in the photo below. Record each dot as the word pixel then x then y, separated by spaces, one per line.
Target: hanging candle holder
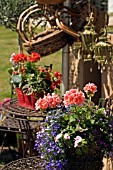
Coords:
pixel 88 37
pixel 103 51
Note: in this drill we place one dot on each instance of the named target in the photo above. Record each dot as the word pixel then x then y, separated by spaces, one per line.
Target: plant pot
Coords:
pixel 27 101
pixel 35 97
pixel 94 165
pixel 20 96
pixel 89 161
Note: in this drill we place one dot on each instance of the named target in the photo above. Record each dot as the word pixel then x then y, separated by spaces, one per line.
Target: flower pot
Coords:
pixel 20 96
pixel 27 101
pixel 89 161
pixel 93 165
pixel 34 98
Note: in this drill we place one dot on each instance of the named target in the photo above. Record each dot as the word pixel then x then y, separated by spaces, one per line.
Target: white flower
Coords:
pixel 75 144
pixel 58 137
pixel 78 139
pixel 66 136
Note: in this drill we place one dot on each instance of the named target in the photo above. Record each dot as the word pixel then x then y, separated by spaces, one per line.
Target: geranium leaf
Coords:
pixel 10 70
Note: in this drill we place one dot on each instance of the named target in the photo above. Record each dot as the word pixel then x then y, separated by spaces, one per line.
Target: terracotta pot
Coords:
pixel 20 96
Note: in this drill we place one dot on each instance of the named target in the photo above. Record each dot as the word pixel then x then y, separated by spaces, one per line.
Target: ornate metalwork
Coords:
pixel 29 163
pixel 103 51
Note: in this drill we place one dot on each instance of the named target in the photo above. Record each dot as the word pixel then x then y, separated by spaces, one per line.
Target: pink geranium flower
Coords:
pixel 49 101
pixel 53 100
pixel 90 87
pixel 73 96
pixel 41 104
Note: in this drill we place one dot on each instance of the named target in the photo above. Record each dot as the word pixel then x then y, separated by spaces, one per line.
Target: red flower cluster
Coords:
pixel 57 81
pixel 34 57
pixel 34 77
pixel 55 77
pixel 57 74
pixel 19 58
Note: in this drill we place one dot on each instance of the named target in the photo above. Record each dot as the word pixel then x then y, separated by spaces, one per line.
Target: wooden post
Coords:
pixel 80 74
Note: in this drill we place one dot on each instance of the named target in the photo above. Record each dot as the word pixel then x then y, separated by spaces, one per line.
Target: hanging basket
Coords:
pixel 50 1
pixel 49 40
pixel 48 44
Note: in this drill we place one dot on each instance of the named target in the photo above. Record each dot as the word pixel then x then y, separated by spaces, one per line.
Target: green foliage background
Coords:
pixel 10 11
pixel 9 45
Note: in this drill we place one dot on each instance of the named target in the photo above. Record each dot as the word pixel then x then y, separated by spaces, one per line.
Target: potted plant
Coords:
pixel 33 80
pixel 76 134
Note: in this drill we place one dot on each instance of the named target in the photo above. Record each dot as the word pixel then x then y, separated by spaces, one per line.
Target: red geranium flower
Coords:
pixel 34 57
pixel 48 76
pixel 19 57
pixel 57 74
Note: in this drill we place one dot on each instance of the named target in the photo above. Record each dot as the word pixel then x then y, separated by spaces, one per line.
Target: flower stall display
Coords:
pixel 31 80
pixel 76 134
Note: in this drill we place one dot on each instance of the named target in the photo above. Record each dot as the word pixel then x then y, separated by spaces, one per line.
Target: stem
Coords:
pixel 90 98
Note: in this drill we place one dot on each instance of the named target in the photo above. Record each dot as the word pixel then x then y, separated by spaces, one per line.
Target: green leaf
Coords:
pixel 92 121
pixel 78 151
pixel 66 117
pixel 84 149
pixel 72 119
pixel 79 128
pixel 10 70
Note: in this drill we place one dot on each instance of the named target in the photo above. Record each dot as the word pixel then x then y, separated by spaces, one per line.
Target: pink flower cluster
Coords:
pixel 49 101
pixel 73 96
pixel 90 87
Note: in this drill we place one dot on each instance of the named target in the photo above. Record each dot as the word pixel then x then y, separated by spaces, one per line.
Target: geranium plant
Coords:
pixel 75 130
pixel 32 78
